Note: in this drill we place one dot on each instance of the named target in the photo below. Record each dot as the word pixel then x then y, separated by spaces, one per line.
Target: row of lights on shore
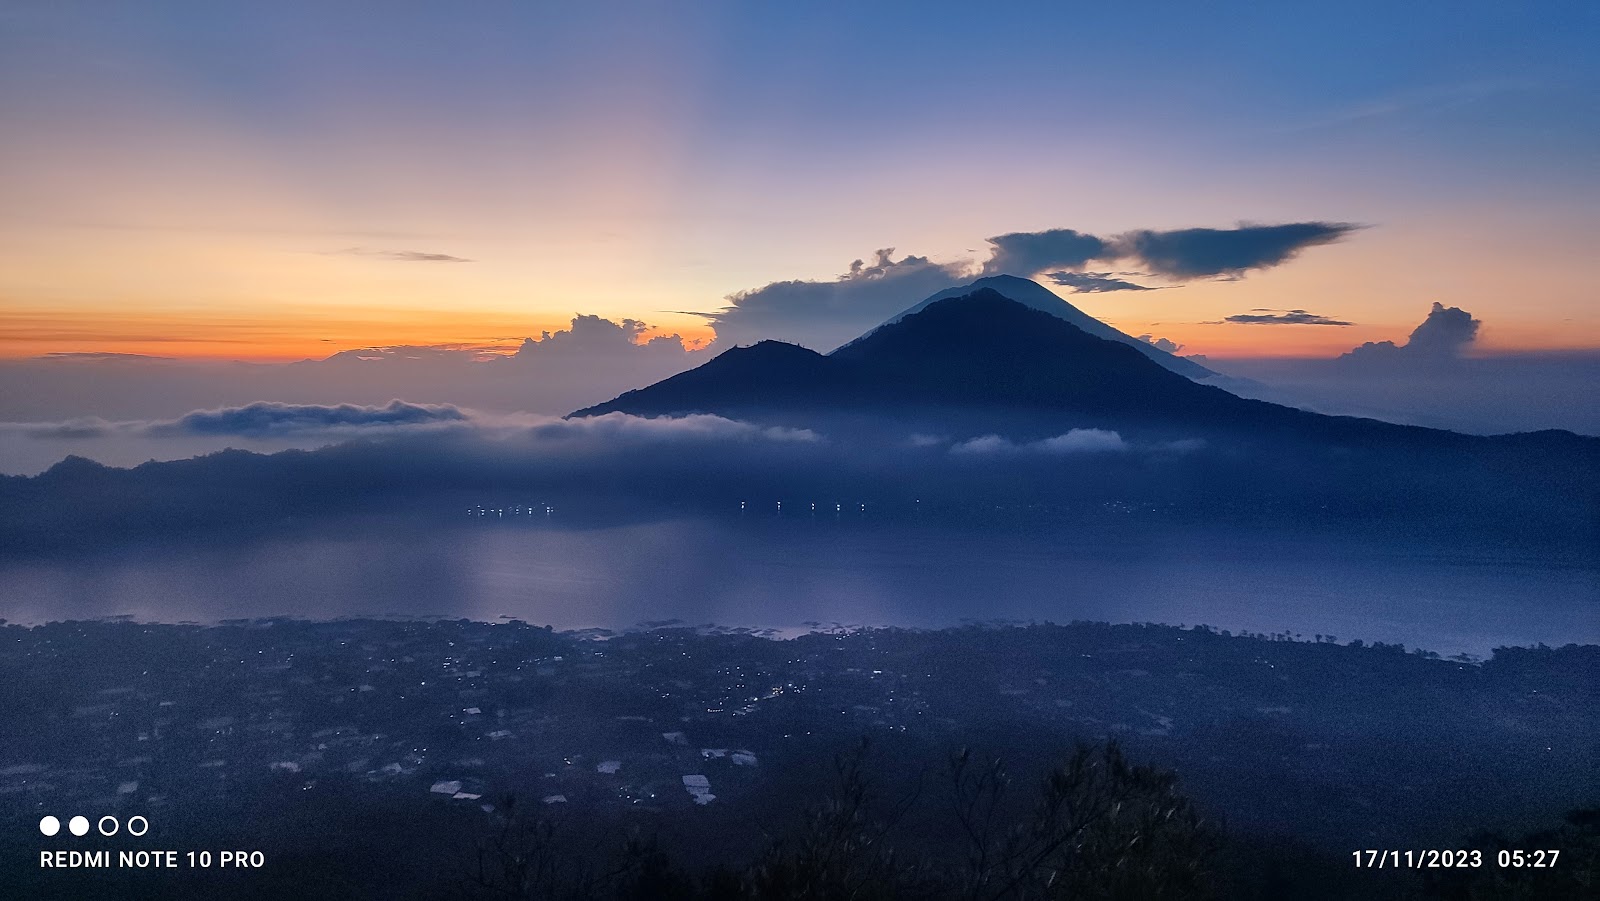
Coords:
pixel 547 510
pixel 837 508
pixel 502 512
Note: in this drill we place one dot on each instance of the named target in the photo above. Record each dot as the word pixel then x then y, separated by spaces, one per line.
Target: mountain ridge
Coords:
pixel 983 363
pixel 1035 296
pixel 979 350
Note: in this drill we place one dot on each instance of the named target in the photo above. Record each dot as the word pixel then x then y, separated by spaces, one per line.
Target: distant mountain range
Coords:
pixel 969 399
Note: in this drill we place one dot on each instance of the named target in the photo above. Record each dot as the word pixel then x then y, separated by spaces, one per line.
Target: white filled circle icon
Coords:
pixel 49 825
pixel 79 825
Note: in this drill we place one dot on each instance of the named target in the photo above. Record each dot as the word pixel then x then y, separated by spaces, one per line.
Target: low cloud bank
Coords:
pixel 619 467
pixel 261 419
pixel 1076 441
pixel 265 418
pixel 29 447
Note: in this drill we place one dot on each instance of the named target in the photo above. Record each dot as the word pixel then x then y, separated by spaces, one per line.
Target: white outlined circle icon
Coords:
pixel 144 825
pixel 49 825
pixel 102 825
pixel 79 825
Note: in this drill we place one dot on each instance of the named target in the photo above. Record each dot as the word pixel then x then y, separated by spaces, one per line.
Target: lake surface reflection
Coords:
pixel 786 575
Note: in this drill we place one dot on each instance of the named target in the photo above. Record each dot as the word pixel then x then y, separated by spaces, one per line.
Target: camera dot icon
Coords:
pixel 49 825
pixel 78 825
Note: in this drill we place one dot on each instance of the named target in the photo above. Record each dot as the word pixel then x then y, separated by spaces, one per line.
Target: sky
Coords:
pixel 274 182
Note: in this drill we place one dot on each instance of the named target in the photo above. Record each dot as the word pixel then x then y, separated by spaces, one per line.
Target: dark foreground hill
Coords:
pixel 376 759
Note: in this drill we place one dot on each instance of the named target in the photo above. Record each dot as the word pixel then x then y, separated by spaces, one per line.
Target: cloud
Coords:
pixel 1028 253
pixel 70 429
pixel 399 354
pixel 1191 253
pixel 1446 332
pixel 1483 394
pixel 104 357
pixel 1093 282
pixel 277 426
pixel 619 428
pixel 404 256
pixel 264 418
pixel 621 469
pixel 587 339
pixel 1165 344
pixel 625 464
pixel 988 444
pixel 824 314
pixel 1080 440
pixel 1283 317
pixel 590 335
pixel 1073 442
pixel 1441 338
pixel 554 372
pixel 1178 254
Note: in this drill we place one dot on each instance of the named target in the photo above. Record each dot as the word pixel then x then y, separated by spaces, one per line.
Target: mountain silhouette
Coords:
pixel 982 363
pixel 980 360
pixel 1035 296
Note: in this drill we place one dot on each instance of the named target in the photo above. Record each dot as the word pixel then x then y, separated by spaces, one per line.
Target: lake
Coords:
pixel 791 574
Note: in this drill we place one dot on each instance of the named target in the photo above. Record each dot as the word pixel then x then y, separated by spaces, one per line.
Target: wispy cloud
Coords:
pixel 1284 317
pixel 1095 282
pixel 1413 102
pixel 404 256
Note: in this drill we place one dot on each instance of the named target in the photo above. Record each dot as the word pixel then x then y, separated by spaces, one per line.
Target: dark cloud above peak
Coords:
pixel 1191 253
pixel 1094 282
pixel 1029 253
pixel 823 314
pixel 403 256
pixel 1284 317
pixel 1177 254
